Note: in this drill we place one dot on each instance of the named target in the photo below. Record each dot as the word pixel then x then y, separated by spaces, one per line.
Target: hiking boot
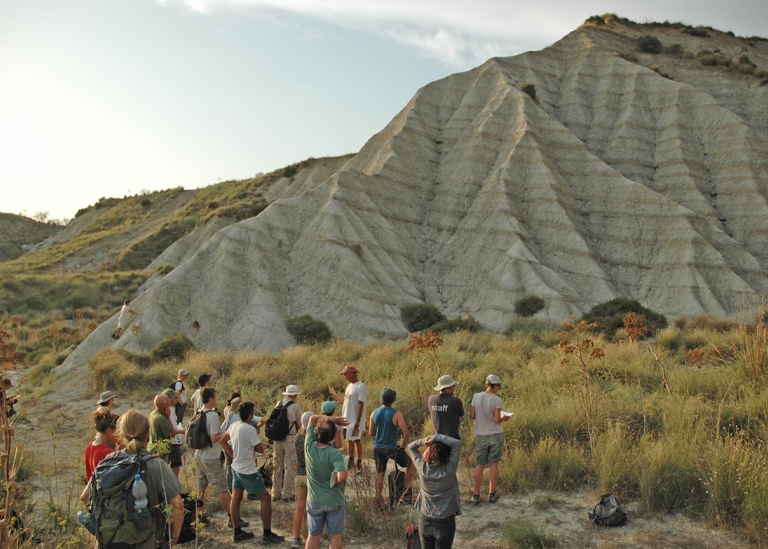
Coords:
pixel 242 535
pixel 493 498
pixel 359 465
pixel 475 499
pixel 297 542
pixel 271 539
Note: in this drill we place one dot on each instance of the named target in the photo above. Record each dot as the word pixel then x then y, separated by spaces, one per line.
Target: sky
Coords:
pixel 111 98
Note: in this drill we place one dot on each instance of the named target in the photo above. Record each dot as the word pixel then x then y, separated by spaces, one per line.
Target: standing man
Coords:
pixel 446 410
pixel 383 426
pixel 326 476
pixel 160 428
pixel 245 476
pixel 181 390
pixel 353 411
pixel 285 450
pixel 203 382
pixel 123 318
pixel 178 438
pixel 486 412
pixel 208 467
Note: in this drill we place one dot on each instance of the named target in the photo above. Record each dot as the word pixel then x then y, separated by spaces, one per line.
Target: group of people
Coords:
pixel 309 468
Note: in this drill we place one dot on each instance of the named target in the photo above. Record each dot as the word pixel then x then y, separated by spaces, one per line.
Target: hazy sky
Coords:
pixel 113 97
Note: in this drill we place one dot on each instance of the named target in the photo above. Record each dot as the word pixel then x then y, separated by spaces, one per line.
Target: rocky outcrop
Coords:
pixel 613 181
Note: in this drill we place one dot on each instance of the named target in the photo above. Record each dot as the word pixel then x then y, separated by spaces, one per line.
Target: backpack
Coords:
pixel 278 427
pixel 197 431
pixel 187 532
pixel 113 519
pixel 396 482
pixel 608 512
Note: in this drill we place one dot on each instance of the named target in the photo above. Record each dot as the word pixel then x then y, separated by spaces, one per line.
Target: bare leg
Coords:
pixel 335 542
pixel 298 516
pixel 266 509
pixel 225 500
pixel 234 507
pixel 313 542
pixel 493 477
pixel 478 478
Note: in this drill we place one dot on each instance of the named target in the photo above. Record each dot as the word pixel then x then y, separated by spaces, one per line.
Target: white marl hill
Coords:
pixel 614 181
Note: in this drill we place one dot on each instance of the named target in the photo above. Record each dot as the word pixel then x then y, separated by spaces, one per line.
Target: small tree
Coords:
pixel 173 347
pixel 529 306
pixel 649 44
pixel 420 316
pixel 307 330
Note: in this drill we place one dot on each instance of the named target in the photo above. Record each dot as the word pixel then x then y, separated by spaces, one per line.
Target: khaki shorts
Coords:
pixel 210 471
pixel 488 448
pixel 300 486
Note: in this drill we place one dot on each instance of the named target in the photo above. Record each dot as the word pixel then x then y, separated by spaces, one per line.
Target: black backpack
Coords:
pixel 278 427
pixel 197 430
pixel 608 512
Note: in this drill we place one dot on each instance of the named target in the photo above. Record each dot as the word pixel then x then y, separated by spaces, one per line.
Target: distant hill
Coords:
pixel 18 232
pixel 625 160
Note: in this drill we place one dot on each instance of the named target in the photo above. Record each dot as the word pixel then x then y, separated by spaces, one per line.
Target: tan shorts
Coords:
pixel 300 486
pixel 210 471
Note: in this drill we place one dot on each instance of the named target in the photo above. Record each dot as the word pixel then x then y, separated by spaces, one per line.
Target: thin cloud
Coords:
pixel 459 34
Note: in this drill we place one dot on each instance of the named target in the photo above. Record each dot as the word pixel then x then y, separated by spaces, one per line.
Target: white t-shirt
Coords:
pixel 355 393
pixel 244 438
pixel 485 413
pixel 180 388
pixel 196 400
pixel 177 439
pixel 212 452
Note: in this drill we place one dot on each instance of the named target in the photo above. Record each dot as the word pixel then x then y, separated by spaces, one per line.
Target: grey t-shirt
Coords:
pixel 445 410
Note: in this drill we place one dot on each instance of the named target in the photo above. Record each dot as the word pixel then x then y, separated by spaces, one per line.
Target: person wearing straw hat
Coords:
pixel 285 450
pixel 446 410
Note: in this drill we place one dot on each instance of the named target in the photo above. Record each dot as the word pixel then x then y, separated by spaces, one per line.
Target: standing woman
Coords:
pixel 162 484
pixel 105 423
pixel 438 501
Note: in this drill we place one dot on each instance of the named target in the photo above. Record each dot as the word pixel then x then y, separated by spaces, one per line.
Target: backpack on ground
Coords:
pixel 187 532
pixel 278 426
pixel 396 482
pixel 113 518
pixel 197 431
pixel 266 470
pixel 412 535
pixel 608 512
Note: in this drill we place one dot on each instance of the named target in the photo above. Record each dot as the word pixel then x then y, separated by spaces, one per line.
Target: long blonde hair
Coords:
pixel 133 429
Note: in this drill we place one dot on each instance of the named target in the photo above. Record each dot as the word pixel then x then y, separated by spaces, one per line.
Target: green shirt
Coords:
pixel 321 462
pixel 159 428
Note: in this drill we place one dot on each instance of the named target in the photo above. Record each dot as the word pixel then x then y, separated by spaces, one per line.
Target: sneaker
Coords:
pixel 297 542
pixel 242 535
pixel 272 539
pixel 475 499
pixel 493 498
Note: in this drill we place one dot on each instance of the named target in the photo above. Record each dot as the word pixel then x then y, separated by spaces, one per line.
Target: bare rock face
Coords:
pixel 613 181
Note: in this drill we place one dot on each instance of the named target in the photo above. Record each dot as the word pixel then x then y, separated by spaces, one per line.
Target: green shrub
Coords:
pixel 696 31
pixel 420 316
pixel 649 44
pixel 628 56
pixel 290 171
pixel 529 306
pixel 530 89
pixel 173 347
pixel 530 327
pixel 610 315
pixel 596 19
pixel 524 534
pixel 456 325
pixel 307 330
pixel 675 49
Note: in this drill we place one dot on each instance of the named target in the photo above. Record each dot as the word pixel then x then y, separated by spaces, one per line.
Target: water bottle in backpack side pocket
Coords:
pixel 139 491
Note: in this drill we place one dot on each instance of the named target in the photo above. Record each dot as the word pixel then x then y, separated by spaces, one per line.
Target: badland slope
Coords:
pixel 582 172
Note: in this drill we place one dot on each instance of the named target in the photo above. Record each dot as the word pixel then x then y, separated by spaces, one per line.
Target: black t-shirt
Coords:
pixel 445 410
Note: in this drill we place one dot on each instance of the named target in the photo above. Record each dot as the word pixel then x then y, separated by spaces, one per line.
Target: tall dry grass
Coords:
pixel 695 448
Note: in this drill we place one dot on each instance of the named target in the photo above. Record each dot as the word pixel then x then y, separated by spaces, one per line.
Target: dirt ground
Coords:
pixel 52 429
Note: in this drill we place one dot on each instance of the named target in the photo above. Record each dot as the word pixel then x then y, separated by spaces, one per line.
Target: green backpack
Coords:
pixel 113 519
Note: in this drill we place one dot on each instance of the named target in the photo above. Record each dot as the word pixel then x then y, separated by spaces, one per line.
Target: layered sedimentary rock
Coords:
pixel 613 181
